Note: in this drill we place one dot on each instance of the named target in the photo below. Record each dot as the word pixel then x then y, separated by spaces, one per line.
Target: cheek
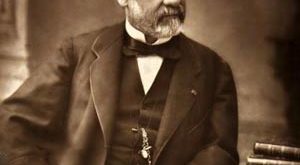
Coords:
pixel 149 5
pixel 144 9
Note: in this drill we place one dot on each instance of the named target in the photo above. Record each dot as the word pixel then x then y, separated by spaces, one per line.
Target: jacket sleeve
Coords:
pixel 225 121
pixel 33 117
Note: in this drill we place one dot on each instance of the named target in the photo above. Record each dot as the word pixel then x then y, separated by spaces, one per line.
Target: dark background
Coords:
pixel 259 38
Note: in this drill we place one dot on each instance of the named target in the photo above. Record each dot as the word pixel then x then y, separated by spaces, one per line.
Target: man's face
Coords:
pixel 156 18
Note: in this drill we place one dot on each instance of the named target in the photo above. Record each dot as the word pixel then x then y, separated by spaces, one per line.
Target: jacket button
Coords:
pixel 194 92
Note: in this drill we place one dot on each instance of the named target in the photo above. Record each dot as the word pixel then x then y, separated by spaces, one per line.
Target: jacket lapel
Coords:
pixel 181 96
pixel 105 76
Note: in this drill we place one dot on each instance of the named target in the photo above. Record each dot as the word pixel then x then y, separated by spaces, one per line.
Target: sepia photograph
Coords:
pixel 149 82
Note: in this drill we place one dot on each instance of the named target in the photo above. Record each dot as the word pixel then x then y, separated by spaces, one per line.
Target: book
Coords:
pixel 274 150
pixel 269 161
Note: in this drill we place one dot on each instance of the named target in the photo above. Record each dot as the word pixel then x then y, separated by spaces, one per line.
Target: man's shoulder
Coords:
pixel 88 37
pixel 82 43
pixel 201 51
pixel 195 44
pixel 104 32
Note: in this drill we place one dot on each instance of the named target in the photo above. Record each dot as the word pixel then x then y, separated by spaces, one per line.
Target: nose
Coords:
pixel 172 2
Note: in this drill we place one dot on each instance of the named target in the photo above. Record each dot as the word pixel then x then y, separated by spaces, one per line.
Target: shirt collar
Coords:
pixel 140 36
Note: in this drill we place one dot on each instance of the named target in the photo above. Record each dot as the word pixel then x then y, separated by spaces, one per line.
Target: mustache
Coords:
pixel 172 10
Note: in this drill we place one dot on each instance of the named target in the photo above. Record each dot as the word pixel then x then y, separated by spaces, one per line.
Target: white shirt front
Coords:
pixel 149 66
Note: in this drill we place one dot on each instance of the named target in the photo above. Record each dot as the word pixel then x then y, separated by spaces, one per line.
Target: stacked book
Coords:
pixel 273 154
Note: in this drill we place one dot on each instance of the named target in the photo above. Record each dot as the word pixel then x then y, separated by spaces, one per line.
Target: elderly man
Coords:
pixel 138 92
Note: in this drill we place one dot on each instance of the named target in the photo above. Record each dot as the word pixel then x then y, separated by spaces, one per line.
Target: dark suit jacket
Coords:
pixel 64 112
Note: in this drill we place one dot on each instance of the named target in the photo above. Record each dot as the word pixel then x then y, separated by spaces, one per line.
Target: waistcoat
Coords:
pixel 138 110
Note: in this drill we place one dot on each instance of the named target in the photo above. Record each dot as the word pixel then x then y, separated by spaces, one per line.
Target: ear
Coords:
pixel 123 3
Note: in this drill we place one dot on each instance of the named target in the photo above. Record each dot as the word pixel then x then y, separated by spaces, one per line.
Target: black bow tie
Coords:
pixel 137 48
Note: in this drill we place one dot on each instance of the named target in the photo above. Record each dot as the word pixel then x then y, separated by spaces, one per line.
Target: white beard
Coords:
pixel 171 29
pixel 149 24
